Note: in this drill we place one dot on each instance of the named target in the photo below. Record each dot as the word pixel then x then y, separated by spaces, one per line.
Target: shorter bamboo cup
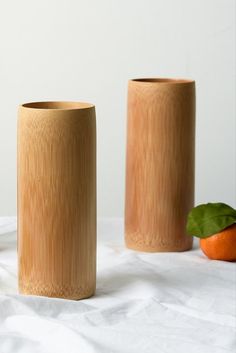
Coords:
pixel 57 199
pixel 159 164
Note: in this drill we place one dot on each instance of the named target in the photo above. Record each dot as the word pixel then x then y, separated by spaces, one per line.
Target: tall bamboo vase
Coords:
pixel 57 199
pixel 159 164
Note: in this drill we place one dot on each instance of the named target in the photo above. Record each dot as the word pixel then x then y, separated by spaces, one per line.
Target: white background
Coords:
pixel 87 50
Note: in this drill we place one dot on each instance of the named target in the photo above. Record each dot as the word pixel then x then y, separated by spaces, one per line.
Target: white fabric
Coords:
pixel 166 302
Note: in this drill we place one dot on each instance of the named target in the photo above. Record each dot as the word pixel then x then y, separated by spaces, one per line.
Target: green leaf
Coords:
pixel 208 219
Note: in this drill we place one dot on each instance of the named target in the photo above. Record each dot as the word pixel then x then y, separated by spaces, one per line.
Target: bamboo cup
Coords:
pixel 159 164
pixel 57 199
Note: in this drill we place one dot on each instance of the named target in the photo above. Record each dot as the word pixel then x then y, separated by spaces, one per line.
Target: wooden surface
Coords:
pixel 159 164
pixel 57 199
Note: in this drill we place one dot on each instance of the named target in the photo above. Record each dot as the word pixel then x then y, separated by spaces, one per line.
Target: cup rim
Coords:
pixel 162 80
pixel 57 105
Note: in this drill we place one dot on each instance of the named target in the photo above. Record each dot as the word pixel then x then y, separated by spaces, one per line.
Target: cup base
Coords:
pixel 141 245
pixel 52 291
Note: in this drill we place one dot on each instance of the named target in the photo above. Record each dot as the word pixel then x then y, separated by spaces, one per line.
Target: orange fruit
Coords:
pixel 221 246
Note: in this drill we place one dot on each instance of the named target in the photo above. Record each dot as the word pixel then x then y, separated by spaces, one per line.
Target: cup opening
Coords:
pixel 163 80
pixel 58 105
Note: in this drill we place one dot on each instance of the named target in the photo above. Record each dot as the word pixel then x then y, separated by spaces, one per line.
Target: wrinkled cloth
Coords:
pixel 144 302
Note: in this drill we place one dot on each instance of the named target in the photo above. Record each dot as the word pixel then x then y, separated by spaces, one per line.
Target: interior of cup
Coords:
pixel 57 105
pixel 163 80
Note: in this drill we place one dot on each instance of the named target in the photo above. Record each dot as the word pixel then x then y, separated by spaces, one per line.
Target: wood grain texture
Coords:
pixel 159 164
pixel 57 199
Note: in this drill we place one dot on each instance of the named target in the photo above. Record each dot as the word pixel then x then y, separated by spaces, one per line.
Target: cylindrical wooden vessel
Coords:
pixel 159 164
pixel 57 199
